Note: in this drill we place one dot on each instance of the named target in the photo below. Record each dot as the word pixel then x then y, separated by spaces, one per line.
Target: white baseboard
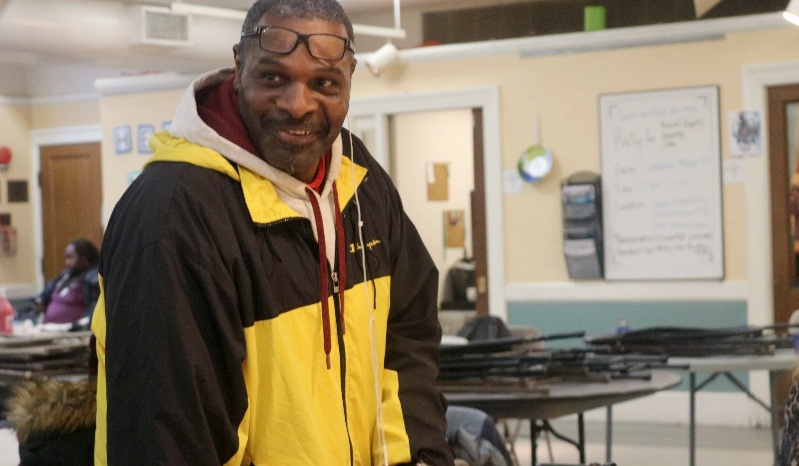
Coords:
pixel 712 409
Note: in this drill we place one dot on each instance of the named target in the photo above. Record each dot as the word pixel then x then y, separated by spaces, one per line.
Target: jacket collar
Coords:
pixel 260 192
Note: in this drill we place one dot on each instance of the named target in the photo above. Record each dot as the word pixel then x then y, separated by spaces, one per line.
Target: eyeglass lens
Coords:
pixel 322 46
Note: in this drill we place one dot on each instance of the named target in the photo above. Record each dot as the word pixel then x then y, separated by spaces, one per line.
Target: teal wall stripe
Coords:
pixel 601 318
pixel 20 304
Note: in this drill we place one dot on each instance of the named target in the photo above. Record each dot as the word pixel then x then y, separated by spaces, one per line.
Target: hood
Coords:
pixel 51 407
pixel 188 125
pixel 190 140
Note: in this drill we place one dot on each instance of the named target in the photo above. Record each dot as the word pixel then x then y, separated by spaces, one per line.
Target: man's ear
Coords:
pixel 237 61
pixel 352 66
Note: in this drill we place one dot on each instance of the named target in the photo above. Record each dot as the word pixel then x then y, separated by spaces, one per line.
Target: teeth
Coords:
pixel 299 133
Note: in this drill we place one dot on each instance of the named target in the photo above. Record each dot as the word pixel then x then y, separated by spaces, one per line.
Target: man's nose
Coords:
pixel 298 100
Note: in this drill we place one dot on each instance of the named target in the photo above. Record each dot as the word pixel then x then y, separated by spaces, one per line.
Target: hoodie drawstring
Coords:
pixel 323 276
pixel 341 253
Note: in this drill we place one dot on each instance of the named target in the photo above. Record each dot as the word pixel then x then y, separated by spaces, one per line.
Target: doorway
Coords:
pixel 783 120
pixel 54 137
pixel 436 164
pixel 71 199
pixel 483 103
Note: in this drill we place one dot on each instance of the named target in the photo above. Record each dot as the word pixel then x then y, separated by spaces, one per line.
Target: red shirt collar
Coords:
pixel 318 182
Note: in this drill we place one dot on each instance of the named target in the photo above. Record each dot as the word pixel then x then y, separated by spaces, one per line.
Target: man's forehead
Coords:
pixel 305 25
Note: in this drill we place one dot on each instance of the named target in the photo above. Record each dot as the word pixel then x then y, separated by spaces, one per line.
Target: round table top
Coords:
pixel 561 398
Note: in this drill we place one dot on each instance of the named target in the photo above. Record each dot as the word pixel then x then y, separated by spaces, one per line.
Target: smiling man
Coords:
pixel 241 319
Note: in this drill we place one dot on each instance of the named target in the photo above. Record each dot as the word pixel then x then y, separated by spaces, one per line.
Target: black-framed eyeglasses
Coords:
pixel 276 39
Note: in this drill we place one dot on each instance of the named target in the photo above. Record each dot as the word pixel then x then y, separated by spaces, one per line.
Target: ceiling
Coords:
pixel 60 47
pixel 52 48
pixel 351 6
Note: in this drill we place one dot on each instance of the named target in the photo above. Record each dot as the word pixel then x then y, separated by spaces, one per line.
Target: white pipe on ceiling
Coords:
pixel 227 13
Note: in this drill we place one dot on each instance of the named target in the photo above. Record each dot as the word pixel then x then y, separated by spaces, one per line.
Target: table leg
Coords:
pixel 608 433
pixel 581 436
pixel 775 413
pixel 533 442
pixel 692 421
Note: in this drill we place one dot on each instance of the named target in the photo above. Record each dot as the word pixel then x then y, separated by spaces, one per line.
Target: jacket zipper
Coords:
pixel 341 349
pixel 342 354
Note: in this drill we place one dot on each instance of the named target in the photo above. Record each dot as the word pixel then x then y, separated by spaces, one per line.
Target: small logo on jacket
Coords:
pixel 357 246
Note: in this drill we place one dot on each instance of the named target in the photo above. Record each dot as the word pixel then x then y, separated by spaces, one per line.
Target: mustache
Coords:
pixel 287 122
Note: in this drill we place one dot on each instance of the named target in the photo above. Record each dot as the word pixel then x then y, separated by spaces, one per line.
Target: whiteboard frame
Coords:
pixel 657 271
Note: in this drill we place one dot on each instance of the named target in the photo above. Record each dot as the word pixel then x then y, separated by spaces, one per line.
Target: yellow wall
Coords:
pixel 562 90
pixel 14 128
pixel 17 120
pixel 153 108
pixel 61 115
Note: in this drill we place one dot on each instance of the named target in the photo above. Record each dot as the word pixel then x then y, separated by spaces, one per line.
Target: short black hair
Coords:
pixel 87 250
pixel 328 10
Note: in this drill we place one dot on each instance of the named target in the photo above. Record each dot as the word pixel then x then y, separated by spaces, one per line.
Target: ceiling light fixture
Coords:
pixel 791 12
pixel 387 55
pixel 384 57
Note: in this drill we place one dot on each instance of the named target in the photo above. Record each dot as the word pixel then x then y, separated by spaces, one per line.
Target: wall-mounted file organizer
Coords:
pixel 581 196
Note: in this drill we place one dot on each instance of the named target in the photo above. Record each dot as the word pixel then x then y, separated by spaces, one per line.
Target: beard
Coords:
pixel 294 146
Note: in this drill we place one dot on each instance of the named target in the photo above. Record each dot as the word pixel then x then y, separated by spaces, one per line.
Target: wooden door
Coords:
pixel 479 236
pixel 783 121
pixel 783 168
pixel 71 200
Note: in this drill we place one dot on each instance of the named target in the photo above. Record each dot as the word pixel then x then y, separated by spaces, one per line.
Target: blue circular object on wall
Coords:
pixel 535 163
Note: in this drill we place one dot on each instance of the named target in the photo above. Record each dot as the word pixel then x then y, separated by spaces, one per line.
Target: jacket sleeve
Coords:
pixel 91 291
pixel 174 387
pixel 413 339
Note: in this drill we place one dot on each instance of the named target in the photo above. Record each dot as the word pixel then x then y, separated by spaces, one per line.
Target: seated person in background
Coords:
pixel 73 294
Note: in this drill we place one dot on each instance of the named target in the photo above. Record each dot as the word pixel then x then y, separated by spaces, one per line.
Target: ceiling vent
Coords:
pixel 159 26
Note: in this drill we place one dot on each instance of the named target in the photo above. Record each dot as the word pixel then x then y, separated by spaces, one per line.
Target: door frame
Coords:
pixel 52 137
pixel 755 79
pixel 487 99
pixel 785 293
pixel 757 196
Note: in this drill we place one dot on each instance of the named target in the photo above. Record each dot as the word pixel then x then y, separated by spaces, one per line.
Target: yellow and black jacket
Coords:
pixel 210 327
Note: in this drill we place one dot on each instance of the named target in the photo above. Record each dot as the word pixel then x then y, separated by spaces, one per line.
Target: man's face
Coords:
pixel 293 105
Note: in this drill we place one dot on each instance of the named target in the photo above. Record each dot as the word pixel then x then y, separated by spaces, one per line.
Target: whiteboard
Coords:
pixel 661 184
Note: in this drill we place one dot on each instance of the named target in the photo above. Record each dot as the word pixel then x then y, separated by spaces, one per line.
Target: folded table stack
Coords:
pixel 696 342
pixel 521 362
pixel 44 354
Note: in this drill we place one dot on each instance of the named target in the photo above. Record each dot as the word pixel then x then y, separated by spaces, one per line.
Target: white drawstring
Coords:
pixel 381 431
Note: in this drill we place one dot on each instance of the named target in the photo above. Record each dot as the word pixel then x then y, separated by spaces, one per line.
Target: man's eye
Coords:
pixel 327 85
pixel 271 79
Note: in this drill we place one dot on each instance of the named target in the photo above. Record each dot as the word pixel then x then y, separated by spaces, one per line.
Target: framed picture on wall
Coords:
pixel 122 140
pixel 144 133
